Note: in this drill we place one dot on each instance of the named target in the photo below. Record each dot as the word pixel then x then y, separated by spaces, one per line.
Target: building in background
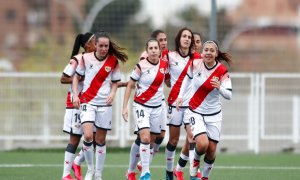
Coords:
pixel 266 36
pixel 23 23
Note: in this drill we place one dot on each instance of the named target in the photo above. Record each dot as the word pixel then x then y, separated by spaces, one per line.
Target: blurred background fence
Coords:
pixel 263 115
pixel 264 39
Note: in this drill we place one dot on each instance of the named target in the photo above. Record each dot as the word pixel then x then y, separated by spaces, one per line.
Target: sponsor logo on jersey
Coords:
pixel 107 68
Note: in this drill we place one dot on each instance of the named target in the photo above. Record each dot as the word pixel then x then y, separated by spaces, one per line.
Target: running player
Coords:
pixel 161 37
pixel 148 77
pixel 189 144
pixel 210 79
pixel 179 62
pixel 102 72
pixel 72 123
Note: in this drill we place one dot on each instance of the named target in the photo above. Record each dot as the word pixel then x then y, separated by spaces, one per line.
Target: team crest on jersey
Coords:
pixel 91 66
pixel 162 70
pixel 107 68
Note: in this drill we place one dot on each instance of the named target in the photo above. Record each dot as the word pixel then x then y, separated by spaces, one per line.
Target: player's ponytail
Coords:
pixel 80 41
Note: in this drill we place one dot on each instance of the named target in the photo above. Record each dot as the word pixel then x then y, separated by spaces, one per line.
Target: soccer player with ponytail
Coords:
pixel 72 123
pixel 210 80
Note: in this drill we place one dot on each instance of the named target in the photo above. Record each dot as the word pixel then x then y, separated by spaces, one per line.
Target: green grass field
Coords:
pixel 47 165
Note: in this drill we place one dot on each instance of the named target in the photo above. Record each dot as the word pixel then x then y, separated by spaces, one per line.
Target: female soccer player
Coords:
pixel 198 42
pixel 161 37
pixel 101 71
pixel 72 123
pixel 187 151
pixel 148 77
pixel 210 79
pixel 179 62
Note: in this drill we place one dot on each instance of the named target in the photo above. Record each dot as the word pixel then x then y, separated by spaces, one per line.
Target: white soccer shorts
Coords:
pixel 176 118
pixel 147 117
pixel 210 124
pixel 72 123
pixel 101 116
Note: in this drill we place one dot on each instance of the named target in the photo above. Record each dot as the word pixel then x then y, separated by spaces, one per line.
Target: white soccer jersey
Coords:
pixel 205 98
pixel 178 67
pixel 150 78
pixel 98 76
pixel 70 71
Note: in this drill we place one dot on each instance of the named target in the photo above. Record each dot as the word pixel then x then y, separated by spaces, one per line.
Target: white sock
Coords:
pixel 181 162
pixel 79 159
pixel 68 163
pixel 134 157
pixel 151 156
pixel 100 157
pixel 89 154
pixel 170 154
pixel 207 168
pixel 156 148
pixel 191 153
pixel 145 158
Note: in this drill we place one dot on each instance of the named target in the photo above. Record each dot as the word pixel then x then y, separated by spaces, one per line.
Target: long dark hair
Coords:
pixel 222 56
pixel 114 49
pixel 177 40
pixel 80 41
pixel 155 33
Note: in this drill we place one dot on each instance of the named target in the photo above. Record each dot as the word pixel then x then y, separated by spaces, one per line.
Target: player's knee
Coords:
pixel 174 141
pixel 159 140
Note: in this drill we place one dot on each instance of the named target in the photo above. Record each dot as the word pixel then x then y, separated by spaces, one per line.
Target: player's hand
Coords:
pixel 125 114
pixel 215 82
pixel 110 99
pixel 178 103
pixel 76 101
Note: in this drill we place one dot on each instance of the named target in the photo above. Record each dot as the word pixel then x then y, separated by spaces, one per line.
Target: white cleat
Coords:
pixel 98 176
pixel 89 175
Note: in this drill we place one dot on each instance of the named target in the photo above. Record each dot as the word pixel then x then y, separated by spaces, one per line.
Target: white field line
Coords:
pixel 157 166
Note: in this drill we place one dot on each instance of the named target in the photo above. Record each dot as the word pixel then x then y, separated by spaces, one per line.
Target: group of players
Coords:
pixel 196 80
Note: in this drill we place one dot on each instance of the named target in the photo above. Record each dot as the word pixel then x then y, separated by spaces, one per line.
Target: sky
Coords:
pixel 159 10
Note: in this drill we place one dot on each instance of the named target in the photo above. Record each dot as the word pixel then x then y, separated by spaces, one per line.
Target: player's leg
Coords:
pixel 145 151
pixel 72 126
pixel 142 121
pixel 100 152
pixel 103 123
pixel 175 119
pixel 201 139
pixel 213 130
pixel 87 116
pixel 182 161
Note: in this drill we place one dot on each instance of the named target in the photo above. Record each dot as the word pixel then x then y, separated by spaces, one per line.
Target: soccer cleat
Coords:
pixel 194 169
pixel 77 171
pixel 205 178
pixel 98 176
pixel 194 178
pixel 89 175
pixel 68 177
pixel 169 175
pixel 199 175
pixel 178 174
pixel 139 166
pixel 130 176
pixel 147 176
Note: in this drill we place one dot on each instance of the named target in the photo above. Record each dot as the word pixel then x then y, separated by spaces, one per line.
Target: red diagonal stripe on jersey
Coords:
pixel 98 80
pixel 151 91
pixel 206 88
pixel 176 88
